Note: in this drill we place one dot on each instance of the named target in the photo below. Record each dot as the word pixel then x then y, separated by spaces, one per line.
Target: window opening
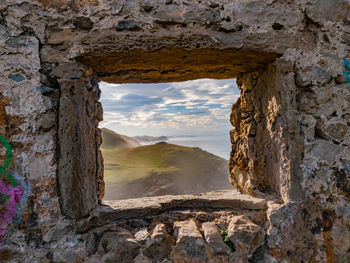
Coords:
pixel 166 138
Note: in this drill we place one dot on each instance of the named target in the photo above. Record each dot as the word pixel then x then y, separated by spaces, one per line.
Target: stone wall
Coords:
pixel 297 109
pixel 265 121
pixel 28 121
pixel 291 134
pixel 79 158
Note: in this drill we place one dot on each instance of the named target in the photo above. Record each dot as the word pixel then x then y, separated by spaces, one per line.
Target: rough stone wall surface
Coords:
pixel 300 113
pixel 265 120
pixel 291 137
pixel 79 140
pixel 28 120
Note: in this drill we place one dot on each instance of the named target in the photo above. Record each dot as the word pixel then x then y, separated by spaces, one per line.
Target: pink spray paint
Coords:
pixel 13 191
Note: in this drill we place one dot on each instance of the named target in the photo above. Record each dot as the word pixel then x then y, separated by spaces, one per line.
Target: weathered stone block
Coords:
pixel 214 240
pixel 190 244
pixel 83 23
pixel 324 10
pixel 142 236
pixel 246 236
pixel 118 246
pixel 79 161
pixel 159 246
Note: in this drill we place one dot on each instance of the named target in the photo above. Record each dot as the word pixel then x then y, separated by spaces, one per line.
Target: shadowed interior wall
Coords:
pixel 266 146
pixel 79 158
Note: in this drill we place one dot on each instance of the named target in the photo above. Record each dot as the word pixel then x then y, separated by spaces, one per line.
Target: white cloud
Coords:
pixel 191 107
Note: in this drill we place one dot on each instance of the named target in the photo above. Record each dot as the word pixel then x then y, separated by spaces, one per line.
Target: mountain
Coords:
pixel 162 169
pixel 111 140
pixel 146 138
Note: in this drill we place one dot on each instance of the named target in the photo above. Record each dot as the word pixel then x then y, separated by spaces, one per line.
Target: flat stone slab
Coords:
pixel 224 199
pixel 148 206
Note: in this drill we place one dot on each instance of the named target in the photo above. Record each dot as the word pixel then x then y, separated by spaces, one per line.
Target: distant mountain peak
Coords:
pixel 111 140
pixel 146 138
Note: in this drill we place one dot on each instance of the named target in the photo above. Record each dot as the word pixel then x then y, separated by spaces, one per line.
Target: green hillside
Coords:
pixel 160 169
pixel 111 139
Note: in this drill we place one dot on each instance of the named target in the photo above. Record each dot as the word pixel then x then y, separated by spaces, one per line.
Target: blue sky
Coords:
pixel 196 107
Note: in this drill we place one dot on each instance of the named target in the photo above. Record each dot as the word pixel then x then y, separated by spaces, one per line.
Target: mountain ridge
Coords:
pixel 162 169
pixel 111 139
pixel 147 138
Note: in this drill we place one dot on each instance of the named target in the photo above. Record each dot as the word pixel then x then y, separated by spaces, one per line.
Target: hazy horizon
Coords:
pixel 196 108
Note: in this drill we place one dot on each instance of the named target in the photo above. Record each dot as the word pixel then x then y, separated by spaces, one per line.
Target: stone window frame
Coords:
pixel 79 96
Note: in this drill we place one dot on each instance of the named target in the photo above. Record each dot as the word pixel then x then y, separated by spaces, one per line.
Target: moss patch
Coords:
pixel 226 239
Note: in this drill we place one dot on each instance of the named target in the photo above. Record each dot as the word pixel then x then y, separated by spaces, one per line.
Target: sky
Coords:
pixel 197 107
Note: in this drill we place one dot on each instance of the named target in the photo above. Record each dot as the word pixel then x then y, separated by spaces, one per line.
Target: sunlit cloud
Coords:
pixel 191 107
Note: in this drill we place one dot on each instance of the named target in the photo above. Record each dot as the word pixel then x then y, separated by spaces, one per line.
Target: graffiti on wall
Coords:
pixel 10 191
pixel 347 70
